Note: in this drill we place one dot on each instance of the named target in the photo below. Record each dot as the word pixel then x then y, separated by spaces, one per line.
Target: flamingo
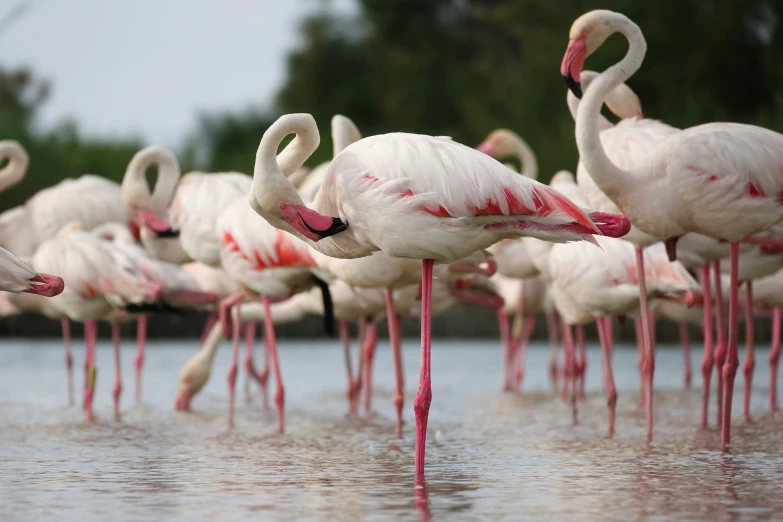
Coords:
pixel 186 207
pixel 457 199
pixel 722 180
pixel 197 370
pixel 95 287
pixel 265 262
pixel 177 287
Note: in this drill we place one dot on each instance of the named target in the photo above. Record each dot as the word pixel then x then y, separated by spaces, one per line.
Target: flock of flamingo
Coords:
pixel 656 222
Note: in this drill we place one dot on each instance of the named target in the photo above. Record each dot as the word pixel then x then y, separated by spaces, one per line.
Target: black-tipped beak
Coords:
pixel 574 86
pixel 336 227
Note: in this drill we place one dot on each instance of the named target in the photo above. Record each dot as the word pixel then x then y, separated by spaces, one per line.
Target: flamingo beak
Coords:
pixel 573 63
pixel 160 226
pixel 46 285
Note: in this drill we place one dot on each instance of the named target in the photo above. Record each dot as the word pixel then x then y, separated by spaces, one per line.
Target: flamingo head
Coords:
pixel 587 34
pixel 498 144
pixel 45 285
pixel 183 397
pixel 151 220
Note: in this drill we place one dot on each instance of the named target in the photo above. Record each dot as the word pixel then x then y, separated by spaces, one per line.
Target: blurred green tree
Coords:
pixel 464 67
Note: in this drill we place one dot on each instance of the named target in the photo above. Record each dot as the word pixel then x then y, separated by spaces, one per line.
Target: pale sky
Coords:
pixel 147 67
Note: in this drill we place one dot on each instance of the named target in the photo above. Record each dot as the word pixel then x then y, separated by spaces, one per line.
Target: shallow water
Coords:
pixel 489 455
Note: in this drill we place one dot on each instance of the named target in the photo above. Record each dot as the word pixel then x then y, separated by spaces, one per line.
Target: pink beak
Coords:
pixel 46 285
pixel 486 147
pixel 148 218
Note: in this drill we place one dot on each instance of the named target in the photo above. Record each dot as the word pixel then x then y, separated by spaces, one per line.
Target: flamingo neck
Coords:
pixel 344 133
pixel 135 189
pixel 611 179
pixel 18 160
pixel 526 156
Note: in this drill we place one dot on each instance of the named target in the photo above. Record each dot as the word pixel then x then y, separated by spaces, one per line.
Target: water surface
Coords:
pixel 490 456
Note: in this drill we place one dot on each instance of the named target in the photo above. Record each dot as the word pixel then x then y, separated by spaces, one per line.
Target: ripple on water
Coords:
pixel 490 455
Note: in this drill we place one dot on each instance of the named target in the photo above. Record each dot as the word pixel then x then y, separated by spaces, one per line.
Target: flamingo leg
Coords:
pixel 521 359
pixel 581 365
pixel 774 359
pixel 231 377
pixel 65 325
pixel 686 354
pixel 421 404
pixel 359 379
pixel 648 366
pixel 570 366
pixel 393 320
pixel 732 358
pixel 91 376
pixel 342 325
pixel 271 343
pixel 211 320
pixel 141 341
pixel 750 355
pixel 708 360
pixel 637 326
pixel 604 326
pixel 117 390
pixel 225 307
pixel 720 339
pixel 250 368
pixel 371 342
pixel 551 328
pixel 263 378
pixel 505 341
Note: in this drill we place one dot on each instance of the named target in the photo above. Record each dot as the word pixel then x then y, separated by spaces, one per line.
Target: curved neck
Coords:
pixel 611 179
pixel 344 132
pixel 526 158
pixel 295 153
pixel 18 160
pixel 573 108
pixel 135 187
pixel 212 342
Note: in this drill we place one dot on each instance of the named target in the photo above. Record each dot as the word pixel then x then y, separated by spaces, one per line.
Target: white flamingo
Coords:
pixel 381 189
pixel 722 180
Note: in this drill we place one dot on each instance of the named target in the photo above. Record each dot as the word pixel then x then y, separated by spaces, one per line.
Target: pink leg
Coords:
pixel 604 325
pixel 65 325
pixel 774 358
pixel 250 368
pixel 708 360
pixel 231 377
pixel 732 357
pixel 551 327
pixel 263 378
pixel 581 366
pixel 225 307
pixel 141 341
pixel 570 366
pixel 649 356
pixel 117 390
pixel 421 404
pixel 750 348
pixel 271 342
pixel 686 354
pixel 371 342
pixel 505 341
pixel 90 340
pixel 521 359
pixel 211 320
pixel 346 341
pixel 720 339
pixel 395 338
pixel 637 324
pixel 358 380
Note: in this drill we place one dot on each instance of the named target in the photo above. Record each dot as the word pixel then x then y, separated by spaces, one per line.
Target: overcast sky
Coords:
pixel 148 67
